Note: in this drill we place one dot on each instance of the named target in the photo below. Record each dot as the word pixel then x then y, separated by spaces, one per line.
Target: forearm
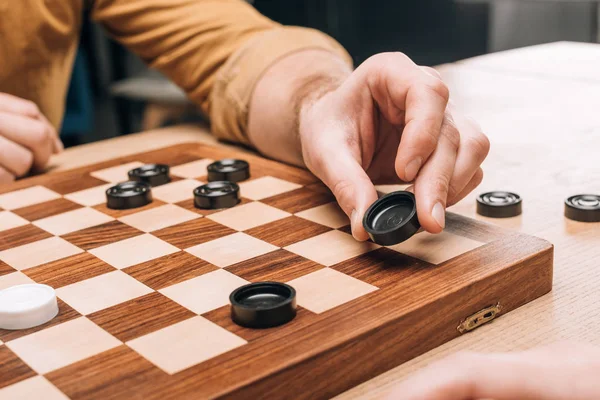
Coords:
pixel 279 97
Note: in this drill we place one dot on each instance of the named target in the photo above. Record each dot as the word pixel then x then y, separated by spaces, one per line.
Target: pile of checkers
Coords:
pixel 390 220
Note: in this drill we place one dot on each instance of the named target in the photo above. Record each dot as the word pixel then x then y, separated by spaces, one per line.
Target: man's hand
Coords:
pixel 389 122
pixel 562 371
pixel 27 140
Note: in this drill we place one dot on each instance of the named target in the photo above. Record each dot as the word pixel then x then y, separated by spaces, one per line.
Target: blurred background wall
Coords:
pixel 112 93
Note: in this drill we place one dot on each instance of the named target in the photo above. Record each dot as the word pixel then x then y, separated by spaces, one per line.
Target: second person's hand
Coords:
pixel 27 139
pixel 389 123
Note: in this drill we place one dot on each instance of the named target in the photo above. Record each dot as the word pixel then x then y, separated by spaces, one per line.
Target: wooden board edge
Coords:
pixel 352 363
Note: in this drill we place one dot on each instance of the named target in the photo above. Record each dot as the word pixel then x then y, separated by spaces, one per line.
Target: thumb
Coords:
pixel 351 187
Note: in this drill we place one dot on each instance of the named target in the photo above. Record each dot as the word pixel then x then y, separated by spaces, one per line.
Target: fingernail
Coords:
pixel 439 214
pixel 412 169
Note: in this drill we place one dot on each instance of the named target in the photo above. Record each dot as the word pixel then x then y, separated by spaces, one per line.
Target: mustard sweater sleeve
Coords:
pixel 215 50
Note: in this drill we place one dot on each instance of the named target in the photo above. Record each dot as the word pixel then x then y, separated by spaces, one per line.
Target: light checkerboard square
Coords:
pixel 72 221
pixel 205 292
pixel 436 249
pixel 102 292
pixel 175 192
pixel 248 216
pixel 231 249
pixel 185 344
pixel 34 388
pixel 37 253
pixel 90 197
pixel 135 250
pixel 159 218
pixel 14 278
pixel 27 197
pixel 194 169
pixel 63 344
pixel 9 220
pixel 267 186
pixel 331 248
pixel 330 215
pixel 327 288
pixel 116 174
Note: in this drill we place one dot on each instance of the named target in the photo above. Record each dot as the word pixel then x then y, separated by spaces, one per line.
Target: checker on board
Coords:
pixel 190 273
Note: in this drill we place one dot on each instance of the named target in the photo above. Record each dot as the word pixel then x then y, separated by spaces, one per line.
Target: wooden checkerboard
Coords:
pixel 143 293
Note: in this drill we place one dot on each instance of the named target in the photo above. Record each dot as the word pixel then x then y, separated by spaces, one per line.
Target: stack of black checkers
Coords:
pixel 137 191
pixel 263 305
pixel 222 190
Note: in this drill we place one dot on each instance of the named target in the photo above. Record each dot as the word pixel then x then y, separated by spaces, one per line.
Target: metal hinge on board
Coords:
pixel 479 318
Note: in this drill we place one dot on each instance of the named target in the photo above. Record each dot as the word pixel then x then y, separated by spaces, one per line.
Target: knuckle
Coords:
pixel 344 192
pixel 32 109
pixel 479 145
pixel 38 134
pixel 439 87
pixel 432 71
pixel 451 134
pixel 441 185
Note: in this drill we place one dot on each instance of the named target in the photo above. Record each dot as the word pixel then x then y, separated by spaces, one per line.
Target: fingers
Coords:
pixel 32 134
pixel 409 96
pixel 351 186
pixel 5 176
pixel 472 185
pixel 14 158
pixel 433 182
pixel 474 148
pixel 15 105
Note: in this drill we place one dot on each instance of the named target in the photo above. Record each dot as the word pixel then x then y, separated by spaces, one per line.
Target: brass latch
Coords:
pixel 479 318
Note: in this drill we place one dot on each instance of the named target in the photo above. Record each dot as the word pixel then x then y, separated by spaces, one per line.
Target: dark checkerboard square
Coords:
pixel 193 232
pixel 21 236
pixel 287 231
pixel 46 209
pixel 382 267
pixel 12 369
pixel 119 373
pixel 69 270
pixel 279 266
pixel 299 200
pixel 140 316
pixel 101 235
pixel 169 270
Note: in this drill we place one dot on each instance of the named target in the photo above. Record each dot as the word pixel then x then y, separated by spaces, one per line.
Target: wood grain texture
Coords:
pixel 416 302
pixel 68 270
pixel 193 232
pixel 169 270
pixel 278 266
pixel 5 268
pixel 140 316
pixel 287 231
pixel 22 235
pixel 46 209
pixel 121 213
pixel 101 235
pixel 299 200
pixel 119 373
pixel 12 369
